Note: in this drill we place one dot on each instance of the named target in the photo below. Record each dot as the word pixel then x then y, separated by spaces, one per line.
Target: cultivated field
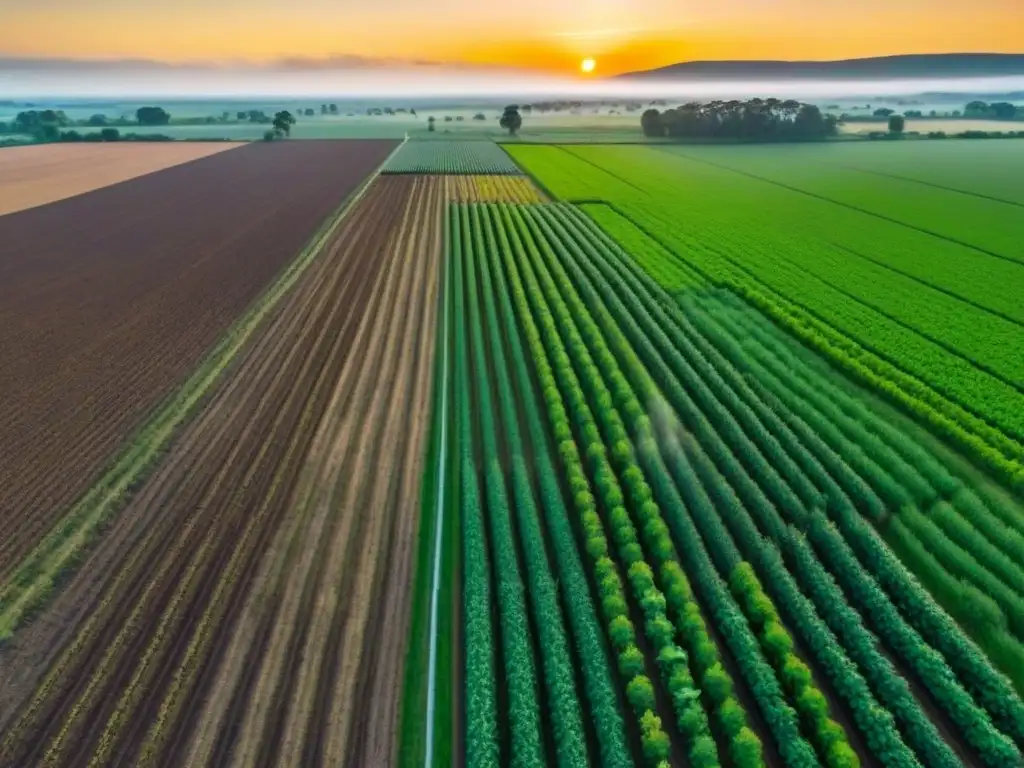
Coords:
pixel 674 456
pixel 492 189
pixel 36 175
pixel 740 511
pixel 245 601
pixel 452 157
pixel 111 299
pixel 894 278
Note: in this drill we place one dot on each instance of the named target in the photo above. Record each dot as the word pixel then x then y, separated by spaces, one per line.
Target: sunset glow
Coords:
pixel 531 34
pixel 587 65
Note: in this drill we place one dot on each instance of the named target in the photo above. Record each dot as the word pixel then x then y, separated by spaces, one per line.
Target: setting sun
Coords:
pixel 587 65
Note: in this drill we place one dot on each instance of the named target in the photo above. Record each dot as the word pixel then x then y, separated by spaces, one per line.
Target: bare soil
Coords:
pixel 109 300
pixel 44 173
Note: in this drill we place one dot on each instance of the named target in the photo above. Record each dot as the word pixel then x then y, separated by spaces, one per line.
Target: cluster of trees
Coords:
pixel 576 107
pixel 999 110
pixel 55 125
pixel 754 120
pixel 257 116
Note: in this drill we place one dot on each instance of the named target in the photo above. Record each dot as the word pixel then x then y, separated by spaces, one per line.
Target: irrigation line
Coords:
pixel 428 757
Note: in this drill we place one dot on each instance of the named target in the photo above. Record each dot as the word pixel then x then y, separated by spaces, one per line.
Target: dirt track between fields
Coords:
pixel 110 299
pixel 246 586
pixel 45 173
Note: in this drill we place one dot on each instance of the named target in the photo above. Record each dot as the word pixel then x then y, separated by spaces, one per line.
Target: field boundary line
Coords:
pixel 55 558
pixel 428 753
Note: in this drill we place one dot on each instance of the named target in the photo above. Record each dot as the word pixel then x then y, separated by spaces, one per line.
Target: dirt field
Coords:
pixel 44 173
pixel 251 605
pixel 108 300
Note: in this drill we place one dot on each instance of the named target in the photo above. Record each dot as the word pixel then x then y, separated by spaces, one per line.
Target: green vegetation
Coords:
pixel 757 120
pixel 933 322
pixel 452 157
pixel 739 510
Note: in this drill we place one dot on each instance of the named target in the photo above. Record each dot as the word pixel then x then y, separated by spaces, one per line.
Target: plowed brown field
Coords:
pixel 250 607
pixel 44 173
pixel 108 300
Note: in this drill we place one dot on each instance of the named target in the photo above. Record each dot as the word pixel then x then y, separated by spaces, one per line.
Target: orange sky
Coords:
pixel 535 34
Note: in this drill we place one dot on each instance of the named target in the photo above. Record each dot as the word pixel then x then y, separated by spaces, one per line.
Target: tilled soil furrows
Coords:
pixel 110 299
pixel 250 605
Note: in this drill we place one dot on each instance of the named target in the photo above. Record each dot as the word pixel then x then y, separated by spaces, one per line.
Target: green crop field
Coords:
pixel 759 560
pixel 480 156
pixel 878 281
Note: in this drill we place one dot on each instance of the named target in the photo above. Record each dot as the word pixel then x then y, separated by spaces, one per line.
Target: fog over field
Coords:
pixel 28 79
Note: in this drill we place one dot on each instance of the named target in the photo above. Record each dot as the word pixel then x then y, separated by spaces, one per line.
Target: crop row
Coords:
pixel 943 389
pixel 997 518
pixel 748 480
pixel 451 157
pixel 968 552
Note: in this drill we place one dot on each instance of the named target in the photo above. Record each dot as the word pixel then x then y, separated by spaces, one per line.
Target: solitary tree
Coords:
pixel 110 134
pixel 283 122
pixel 897 123
pixel 884 112
pixel 430 123
pixel 511 120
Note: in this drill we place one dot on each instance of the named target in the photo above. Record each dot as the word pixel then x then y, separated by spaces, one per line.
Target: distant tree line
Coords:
pixel 997 110
pixel 754 120
pixel 55 125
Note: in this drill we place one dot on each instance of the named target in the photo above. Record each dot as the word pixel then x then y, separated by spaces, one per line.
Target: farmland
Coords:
pixel 203 592
pixel 82 305
pixel 887 295
pixel 742 546
pixel 451 157
pixel 359 453
pixel 36 175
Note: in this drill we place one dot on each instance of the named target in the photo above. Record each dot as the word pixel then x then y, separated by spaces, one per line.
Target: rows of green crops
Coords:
pixel 920 313
pixel 680 532
pixel 451 157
